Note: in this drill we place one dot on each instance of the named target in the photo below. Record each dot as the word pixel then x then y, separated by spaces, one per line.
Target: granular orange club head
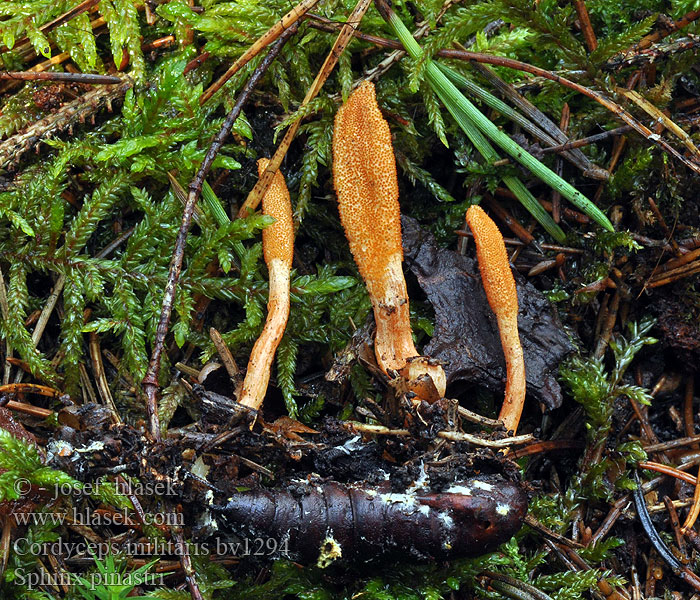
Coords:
pixel 278 238
pixel 278 249
pixel 499 285
pixel 364 174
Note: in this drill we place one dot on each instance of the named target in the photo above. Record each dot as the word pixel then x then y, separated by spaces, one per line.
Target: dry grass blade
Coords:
pixel 341 42
pixel 260 44
pixel 660 117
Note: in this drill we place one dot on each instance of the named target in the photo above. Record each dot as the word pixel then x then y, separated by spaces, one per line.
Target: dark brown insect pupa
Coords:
pixel 329 521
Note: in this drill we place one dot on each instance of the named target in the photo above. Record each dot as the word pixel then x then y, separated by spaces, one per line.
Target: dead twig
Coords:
pixel 519 243
pixel 344 37
pixel 87 78
pixel 271 35
pixel 535 524
pixel 150 381
pixel 101 378
pixel 586 27
pixel 12 149
pixel 677 443
pixel 28 409
pixel 60 20
pixel 652 38
pixel 453 436
pixel 668 470
pixel 587 141
pixel 186 562
pixel 472 417
pixel 226 358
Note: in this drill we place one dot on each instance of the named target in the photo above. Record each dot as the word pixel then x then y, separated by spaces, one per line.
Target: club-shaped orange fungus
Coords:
pixel 364 175
pixel 499 285
pixel 278 250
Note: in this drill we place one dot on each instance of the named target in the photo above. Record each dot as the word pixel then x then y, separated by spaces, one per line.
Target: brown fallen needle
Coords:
pixel 364 174
pixel 278 249
pixel 499 285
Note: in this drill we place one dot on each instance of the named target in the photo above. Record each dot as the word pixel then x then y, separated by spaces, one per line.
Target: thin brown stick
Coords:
pixel 675 523
pixel 614 108
pixel 677 262
pixel 559 164
pixel 587 141
pixel 197 61
pixel 186 562
pixel 675 275
pixel 677 443
pixel 608 324
pixel 688 415
pixel 535 524
pixel 664 227
pixel 5 543
pixel 586 27
pixel 101 378
pixel 659 117
pixel 344 37
pixel 545 446
pixel 652 38
pixel 29 388
pixel 501 61
pixel 473 417
pixel 271 35
pixel 150 381
pixel 455 436
pixel 225 354
pixel 61 19
pixel 694 509
pixel 511 222
pixel 89 78
pixel 514 242
pixel 668 470
pixel 609 521
pixel 28 409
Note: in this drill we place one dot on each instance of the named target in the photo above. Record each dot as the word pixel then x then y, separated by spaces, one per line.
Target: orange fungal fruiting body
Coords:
pixel 278 250
pixel 364 175
pixel 499 285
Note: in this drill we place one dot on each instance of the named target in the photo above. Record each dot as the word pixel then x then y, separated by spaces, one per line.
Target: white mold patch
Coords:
pixel 93 447
pixel 482 485
pixel 424 509
pixel 503 509
pixel 408 500
pixel 447 520
pixel 351 445
pixel 463 490
pixel 422 482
